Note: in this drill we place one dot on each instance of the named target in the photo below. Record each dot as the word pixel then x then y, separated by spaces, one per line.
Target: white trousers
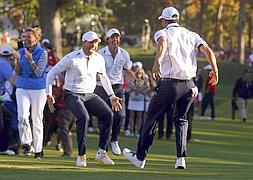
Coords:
pixel 243 106
pixel 36 100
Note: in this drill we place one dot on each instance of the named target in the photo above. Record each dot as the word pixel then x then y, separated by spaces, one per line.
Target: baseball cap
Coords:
pixel 90 36
pixel 208 67
pixel 137 64
pixel 6 50
pixel 112 31
pixel 45 41
pixel 168 13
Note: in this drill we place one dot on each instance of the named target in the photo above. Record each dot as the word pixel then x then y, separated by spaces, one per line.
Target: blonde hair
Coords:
pixel 36 31
pixel 141 71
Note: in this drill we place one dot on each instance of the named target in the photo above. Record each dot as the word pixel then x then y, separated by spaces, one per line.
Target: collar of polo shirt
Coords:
pixel 172 25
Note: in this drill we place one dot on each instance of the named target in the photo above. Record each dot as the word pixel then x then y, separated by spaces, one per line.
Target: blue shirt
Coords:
pixel 6 73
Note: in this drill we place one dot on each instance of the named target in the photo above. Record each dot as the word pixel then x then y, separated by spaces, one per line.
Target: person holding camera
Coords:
pixel 31 92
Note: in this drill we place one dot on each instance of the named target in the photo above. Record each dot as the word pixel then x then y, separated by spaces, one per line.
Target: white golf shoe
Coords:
pixel 132 157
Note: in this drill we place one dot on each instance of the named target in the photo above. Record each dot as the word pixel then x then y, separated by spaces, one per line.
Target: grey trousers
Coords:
pixel 65 124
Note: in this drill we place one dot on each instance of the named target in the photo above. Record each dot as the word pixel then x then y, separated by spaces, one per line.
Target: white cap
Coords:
pixel 146 20
pixel 208 67
pixel 158 34
pixel 6 50
pixel 168 13
pixel 90 36
pixel 137 64
pixel 45 41
pixel 112 31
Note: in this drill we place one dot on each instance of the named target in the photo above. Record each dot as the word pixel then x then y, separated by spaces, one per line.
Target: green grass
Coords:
pixel 220 149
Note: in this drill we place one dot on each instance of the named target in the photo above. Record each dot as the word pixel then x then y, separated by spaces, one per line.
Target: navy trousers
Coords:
pixel 117 116
pixel 170 93
pixel 83 104
pixel 208 99
pixel 6 125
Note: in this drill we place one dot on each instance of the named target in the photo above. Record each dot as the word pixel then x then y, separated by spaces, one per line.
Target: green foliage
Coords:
pixel 76 8
pixel 131 14
pixel 26 9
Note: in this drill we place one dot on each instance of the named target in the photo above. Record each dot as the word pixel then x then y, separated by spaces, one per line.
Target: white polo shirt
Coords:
pixel 164 61
pixel 182 48
pixel 115 66
pixel 81 71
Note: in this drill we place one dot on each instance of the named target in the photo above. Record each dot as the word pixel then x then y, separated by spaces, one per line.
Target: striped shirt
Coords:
pixel 42 63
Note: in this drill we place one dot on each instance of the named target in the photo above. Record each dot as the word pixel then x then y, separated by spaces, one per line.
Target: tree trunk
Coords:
pixel 250 24
pixel 249 31
pixel 241 22
pixel 50 21
pixel 201 16
pixel 218 40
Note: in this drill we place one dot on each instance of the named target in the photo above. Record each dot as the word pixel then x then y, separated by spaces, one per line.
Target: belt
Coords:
pixel 175 80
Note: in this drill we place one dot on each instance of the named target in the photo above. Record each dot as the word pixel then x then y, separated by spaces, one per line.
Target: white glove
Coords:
pixel 194 91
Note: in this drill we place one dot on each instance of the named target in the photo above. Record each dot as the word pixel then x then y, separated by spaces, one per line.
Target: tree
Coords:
pixel 250 23
pixel 50 21
pixel 241 22
pixel 201 15
pixel 53 13
pixel 218 40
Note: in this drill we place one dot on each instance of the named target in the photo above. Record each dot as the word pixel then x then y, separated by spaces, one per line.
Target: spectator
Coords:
pixel 50 120
pixel 136 105
pixel 6 74
pixel 65 121
pixel 210 90
pixel 242 92
pixel 31 92
pixel 129 87
pixel 250 59
pixel 198 80
pixel 166 115
pixel 145 35
pixel 52 57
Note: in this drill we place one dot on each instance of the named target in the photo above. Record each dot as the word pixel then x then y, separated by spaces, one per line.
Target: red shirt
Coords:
pixel 208 87
pixel 51 58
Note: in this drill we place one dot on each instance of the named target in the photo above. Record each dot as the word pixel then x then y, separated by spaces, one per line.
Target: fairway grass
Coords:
pixel 220 149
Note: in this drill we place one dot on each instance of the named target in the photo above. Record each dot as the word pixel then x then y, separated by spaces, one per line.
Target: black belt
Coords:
pixel 175 80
